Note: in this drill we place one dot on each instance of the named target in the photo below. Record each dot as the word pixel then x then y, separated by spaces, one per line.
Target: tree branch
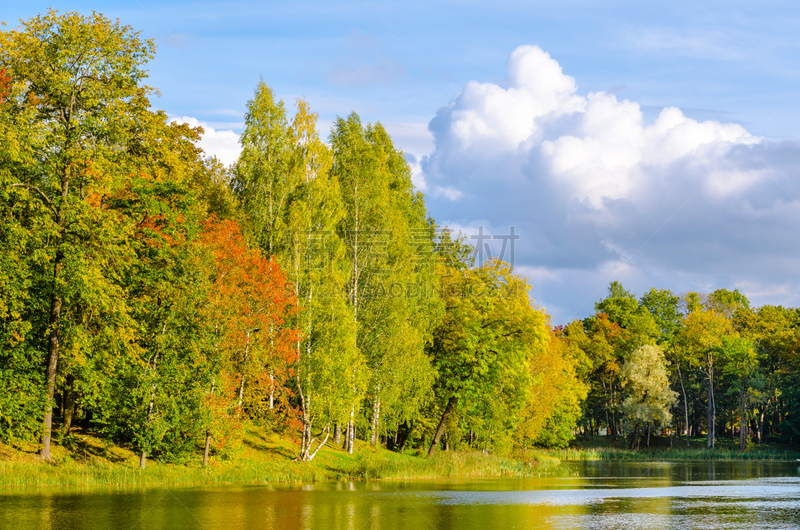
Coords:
pixel 31 187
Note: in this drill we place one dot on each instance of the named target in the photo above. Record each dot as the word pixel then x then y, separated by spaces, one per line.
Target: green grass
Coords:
pixel 601 448
pixel 89 463
pixel 96 472
pixel 372 464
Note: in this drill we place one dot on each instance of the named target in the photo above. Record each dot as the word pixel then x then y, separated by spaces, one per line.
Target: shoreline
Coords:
pixel 268 460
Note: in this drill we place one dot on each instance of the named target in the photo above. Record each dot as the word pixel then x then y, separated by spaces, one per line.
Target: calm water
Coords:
pixel 602 495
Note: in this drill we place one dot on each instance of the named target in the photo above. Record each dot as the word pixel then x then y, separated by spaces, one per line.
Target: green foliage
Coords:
pixel 484 347
pixel 664 307
pixel 622 308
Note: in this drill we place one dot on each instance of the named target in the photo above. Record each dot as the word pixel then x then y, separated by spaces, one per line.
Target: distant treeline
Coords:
pixel 698 364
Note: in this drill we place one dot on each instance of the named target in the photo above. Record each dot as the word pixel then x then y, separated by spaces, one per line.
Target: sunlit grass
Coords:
pixel 600 448
pixel 372 464
pixel 269 460
pixel 262 460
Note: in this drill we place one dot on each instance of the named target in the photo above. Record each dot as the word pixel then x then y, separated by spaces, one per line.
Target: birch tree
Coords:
pixel 314 257
pixel 390 288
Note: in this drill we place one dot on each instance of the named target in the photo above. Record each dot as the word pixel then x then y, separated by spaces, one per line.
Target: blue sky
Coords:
pixel 583 180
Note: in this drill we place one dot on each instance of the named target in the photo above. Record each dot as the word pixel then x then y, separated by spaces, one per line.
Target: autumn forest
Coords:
pixel 165 302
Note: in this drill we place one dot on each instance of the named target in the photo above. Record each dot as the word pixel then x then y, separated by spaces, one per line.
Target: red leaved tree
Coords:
pixel 250 302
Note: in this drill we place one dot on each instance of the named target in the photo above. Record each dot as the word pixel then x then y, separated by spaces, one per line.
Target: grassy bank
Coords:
pixel 664 449
pixel 91 463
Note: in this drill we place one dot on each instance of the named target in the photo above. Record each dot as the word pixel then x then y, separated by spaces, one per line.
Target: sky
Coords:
pixel 652 143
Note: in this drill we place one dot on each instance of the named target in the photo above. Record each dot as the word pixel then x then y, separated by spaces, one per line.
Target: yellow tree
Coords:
pixel 554 403
pixel 698 341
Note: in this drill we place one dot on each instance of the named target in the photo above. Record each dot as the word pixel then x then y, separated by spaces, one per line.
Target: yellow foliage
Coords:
pixel 554 385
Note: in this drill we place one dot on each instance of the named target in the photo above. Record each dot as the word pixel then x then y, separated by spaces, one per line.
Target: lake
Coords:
pixel 602 495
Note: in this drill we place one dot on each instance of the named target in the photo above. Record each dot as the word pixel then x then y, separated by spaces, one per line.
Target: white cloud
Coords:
pixel 222 144
pixel 597 191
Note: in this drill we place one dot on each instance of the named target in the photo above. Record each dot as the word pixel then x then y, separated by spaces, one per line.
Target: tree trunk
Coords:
pixel 711 415
pixel 152 393
pixel 400 443
pixel 206 448
pixel 327 434
pixel 685 405
pixel 451 404
pixel 609 428
pixel 244 363
pixel 376 417
pixel 350 434
pixel 615 424
pixel 742 421
pixel 271 391
pixel 149 416
pixel 307 440
pixel 52 354
pixel 208 431
pixel 68 406
pixel 337 434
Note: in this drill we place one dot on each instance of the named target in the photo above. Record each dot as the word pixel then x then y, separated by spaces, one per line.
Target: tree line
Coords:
pixel 166 302
pixel 691 365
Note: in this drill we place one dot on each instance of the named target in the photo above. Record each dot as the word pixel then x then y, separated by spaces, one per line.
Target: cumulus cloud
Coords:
pixel 222 144
pixel 598 193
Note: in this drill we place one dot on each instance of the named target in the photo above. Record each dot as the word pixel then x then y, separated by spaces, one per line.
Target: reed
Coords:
pixel 447 464
pixel 673 454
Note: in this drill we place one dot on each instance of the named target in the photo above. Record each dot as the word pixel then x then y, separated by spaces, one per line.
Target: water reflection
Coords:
pixel 590 495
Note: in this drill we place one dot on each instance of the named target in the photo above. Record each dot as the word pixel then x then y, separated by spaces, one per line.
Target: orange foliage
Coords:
pixel 251 302
pixel 5 85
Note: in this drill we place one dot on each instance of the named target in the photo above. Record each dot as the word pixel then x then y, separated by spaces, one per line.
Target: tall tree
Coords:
pixel 261 177
pixel 483 347
pixel 79 115
pixel 741 363
pixel 554 404
pixel 699 340
pixel 389 245
pixel 314 257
